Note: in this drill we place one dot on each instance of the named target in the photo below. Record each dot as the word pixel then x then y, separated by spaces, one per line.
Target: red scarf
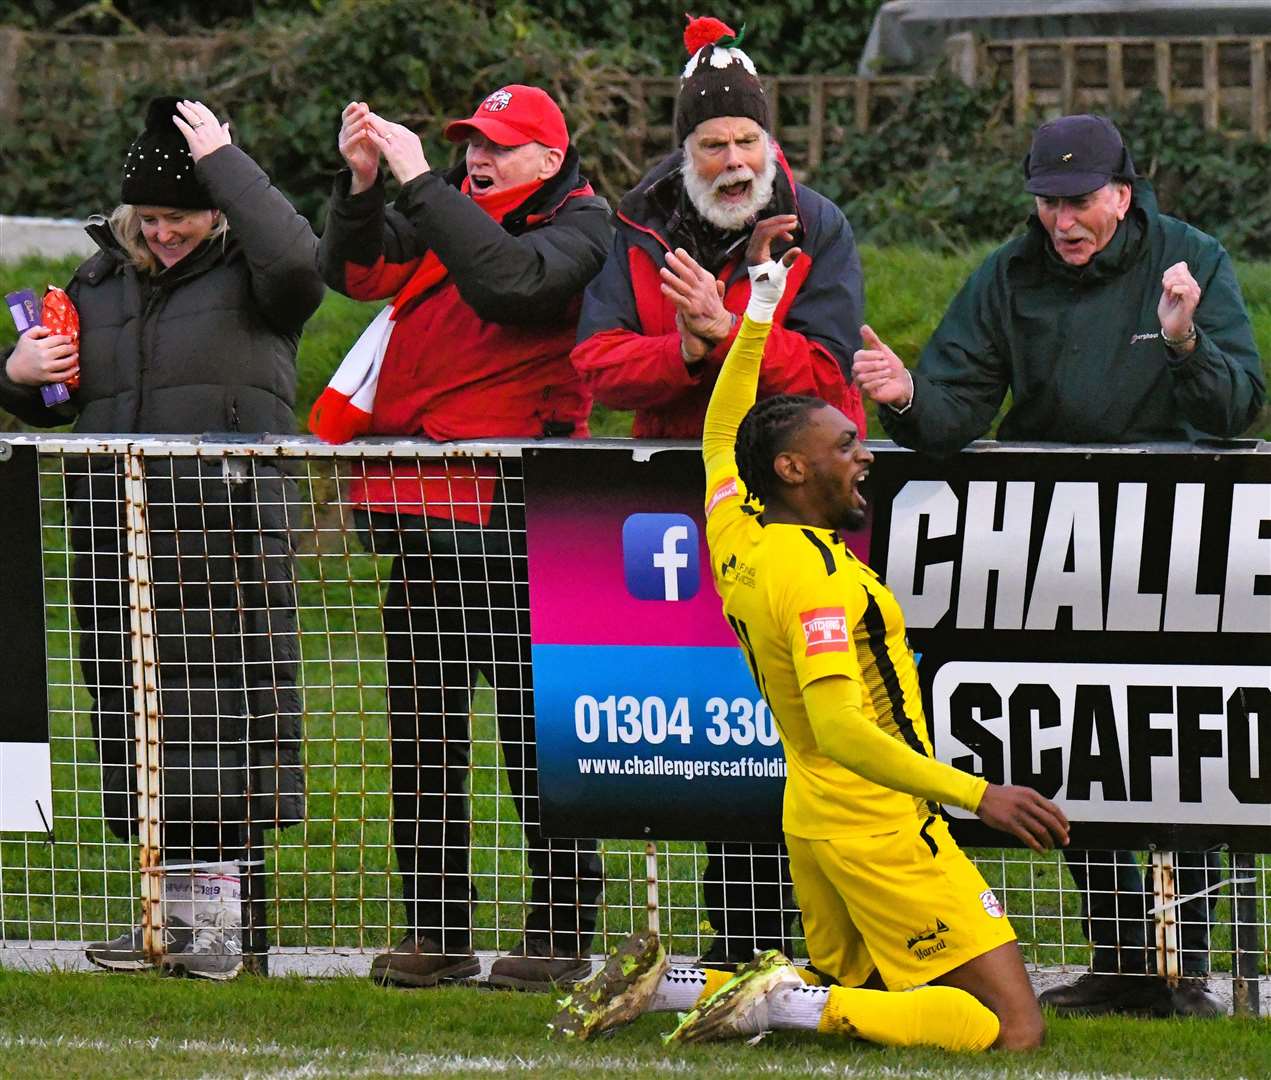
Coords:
pixel 430 271
pixel 335 416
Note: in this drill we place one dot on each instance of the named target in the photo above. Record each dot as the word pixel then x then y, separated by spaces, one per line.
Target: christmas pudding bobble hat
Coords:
pixel 719 79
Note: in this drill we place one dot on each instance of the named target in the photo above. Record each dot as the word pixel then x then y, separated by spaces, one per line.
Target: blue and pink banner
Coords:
pixel 649 724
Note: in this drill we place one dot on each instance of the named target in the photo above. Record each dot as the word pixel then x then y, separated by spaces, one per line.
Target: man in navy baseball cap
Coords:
pixel 1108 322
pixel 1075 155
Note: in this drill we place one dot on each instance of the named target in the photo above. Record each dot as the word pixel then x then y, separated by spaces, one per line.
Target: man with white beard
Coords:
pixel 652 339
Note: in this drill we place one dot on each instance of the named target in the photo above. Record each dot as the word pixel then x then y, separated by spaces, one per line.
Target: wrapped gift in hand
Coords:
pixel 60 316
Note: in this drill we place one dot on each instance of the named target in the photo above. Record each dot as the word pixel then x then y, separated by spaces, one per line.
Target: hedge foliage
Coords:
pixel 942 171
pixel 419 62
pixel 945 170
pixel 795 35
pixel 804 36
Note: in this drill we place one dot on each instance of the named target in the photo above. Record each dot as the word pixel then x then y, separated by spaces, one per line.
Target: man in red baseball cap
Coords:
pixel 513 116
pixel 485 265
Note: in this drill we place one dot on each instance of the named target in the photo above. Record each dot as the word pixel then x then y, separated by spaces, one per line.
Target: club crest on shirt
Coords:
pixel 992 904
pixel 497 102
pixel 825 630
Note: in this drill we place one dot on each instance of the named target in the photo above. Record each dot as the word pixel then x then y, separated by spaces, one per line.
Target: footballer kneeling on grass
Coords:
pixel 889 901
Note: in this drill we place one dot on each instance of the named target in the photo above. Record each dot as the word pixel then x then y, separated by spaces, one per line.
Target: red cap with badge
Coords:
pixel 513 116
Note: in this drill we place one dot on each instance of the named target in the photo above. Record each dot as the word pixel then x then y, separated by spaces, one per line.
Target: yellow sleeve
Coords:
pixel 731 399
pixel 844 734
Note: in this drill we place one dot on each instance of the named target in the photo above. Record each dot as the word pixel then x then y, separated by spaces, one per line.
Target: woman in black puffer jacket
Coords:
pixel 190 318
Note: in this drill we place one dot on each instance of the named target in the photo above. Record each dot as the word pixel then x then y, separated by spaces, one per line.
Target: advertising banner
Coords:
pixel 649 723
pixel 26 782
pixel 1096 624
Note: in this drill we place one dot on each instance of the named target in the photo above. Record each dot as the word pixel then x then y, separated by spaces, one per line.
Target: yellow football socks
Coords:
pixel 714 980
pixel 929 1016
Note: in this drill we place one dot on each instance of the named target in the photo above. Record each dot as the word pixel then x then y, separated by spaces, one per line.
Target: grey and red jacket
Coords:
pixel 486 351
pixel 628 350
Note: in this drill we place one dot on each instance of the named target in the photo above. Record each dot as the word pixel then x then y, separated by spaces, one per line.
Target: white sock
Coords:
pixel 177 900
pixel 678 991
pixel 216 890
pixel 797 1008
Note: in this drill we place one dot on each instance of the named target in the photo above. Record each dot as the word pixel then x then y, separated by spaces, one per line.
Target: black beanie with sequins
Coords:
pixel 158 168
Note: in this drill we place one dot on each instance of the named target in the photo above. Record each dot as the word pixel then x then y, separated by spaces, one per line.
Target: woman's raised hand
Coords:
pixel 202 130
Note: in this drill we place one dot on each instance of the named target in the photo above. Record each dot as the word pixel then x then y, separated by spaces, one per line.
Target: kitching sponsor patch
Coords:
pixel 825 630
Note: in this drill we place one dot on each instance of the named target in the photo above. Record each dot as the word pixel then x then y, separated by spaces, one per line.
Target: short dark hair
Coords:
pixel 765 432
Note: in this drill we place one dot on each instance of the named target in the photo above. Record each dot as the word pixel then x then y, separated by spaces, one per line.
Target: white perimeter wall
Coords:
pixel 50 238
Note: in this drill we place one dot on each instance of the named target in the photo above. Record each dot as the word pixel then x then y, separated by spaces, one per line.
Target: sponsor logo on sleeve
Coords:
pixel 825 630
pixel 726 490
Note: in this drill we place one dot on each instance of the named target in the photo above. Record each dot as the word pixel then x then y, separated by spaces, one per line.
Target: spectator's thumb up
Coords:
pixel 872 341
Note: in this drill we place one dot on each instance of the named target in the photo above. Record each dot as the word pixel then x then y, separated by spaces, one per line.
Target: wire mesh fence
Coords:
pixel 314 661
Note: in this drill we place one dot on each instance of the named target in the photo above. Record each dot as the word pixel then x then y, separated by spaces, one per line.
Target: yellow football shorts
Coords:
pixel 905 901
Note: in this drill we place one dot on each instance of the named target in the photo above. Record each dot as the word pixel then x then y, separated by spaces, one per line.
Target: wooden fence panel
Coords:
pixel 1222 80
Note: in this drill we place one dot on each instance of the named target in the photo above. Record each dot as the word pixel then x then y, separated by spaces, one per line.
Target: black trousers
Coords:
pixel 1116 896
pixel 749 897
pixel 225 638
pixel 457 607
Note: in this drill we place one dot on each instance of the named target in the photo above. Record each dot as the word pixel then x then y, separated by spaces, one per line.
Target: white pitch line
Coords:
pixel 318 1063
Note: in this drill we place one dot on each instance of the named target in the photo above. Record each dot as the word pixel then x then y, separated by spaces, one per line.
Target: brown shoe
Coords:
pixel 418 961
pixel 533 966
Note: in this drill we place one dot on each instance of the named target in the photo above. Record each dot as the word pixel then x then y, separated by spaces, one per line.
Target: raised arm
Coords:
pixel 734 391
pixel 277 242
pixel 1216 373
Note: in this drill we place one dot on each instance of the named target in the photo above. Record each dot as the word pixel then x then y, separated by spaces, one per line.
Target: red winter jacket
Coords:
pixel 484 353
pixel 628 350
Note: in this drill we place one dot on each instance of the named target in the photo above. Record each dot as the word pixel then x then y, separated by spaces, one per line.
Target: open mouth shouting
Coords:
pixel 858 496
pixel 735 188
pixel 481 181
pixel 738 191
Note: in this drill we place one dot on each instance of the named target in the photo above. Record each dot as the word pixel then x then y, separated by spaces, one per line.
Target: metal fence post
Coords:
pixel 651 881
pixel 1246 936
pixel 145 703
pixel 1164 890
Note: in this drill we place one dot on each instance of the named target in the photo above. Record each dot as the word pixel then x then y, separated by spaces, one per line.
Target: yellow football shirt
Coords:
pixel 803 607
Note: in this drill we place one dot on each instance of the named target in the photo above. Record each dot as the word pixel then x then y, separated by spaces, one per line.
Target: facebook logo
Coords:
pixel 660 556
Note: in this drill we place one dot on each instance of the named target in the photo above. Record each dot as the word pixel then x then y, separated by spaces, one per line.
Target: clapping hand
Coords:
pixel 360 154
pixel 402 150
pixel 698 298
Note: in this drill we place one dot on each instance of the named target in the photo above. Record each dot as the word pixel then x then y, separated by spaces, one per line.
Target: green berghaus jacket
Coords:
pixel 1080 348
